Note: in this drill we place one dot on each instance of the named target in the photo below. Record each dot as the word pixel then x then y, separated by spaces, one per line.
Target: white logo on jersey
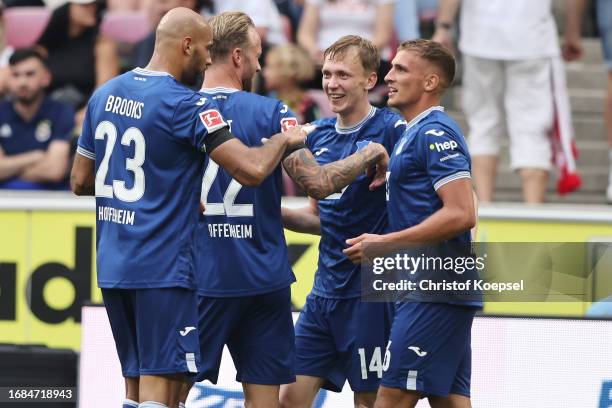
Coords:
pixel 201 102
pixel 440 147
pixel 435 132
pixel 418 351
pixel 6 131
pixel 320 152
pixel 400 122
pixel 187 330
pixel 288 123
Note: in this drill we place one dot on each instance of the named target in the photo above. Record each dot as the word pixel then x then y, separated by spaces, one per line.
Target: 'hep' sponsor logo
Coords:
pixel 288 123
pixel 212 119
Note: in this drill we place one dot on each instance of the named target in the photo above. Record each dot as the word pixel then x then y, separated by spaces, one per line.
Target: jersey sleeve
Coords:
pixel 64 124
pixel 444 154
pixel 86 145
pixel 194 119
pixel 284 118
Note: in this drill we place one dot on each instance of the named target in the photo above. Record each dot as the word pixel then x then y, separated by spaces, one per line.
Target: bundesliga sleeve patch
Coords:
pixel 212 120
pixel 288 123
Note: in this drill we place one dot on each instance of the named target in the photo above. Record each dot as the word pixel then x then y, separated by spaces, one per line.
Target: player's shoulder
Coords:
pixel 389 117
pixel 255 101
pixel 439 123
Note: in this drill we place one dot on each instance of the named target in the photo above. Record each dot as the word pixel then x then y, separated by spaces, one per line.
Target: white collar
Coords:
pixel 358 126
pixel 423 114
pixel 219 89
pixel 142 71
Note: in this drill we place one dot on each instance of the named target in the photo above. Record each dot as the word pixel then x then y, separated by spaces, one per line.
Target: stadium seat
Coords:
pixel 24 25
pixel 127 27
pixel 321 99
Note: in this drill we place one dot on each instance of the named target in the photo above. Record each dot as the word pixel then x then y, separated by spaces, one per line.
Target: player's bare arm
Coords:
pixel 251 166
pixel 457 215
pixel 305 220
pixel 82 176
pixel 321 181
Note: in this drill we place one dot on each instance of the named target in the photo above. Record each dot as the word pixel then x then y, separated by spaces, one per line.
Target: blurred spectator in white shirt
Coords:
pixel 264 14
pixel 324 21
pixel 509 48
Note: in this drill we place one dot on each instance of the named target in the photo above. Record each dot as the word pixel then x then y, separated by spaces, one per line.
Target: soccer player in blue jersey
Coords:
pixel 245 298
pixel 338 337
pixel 141 154
pixel 430 199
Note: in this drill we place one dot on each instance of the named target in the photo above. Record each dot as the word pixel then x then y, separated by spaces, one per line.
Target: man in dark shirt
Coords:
pixel 34 130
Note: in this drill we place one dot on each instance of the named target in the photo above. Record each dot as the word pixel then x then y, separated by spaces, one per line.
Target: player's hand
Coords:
pixel 297 134
pixel 379 171
pixel 571 48
pixel 444 37
pixel 355 250
pixel 202 207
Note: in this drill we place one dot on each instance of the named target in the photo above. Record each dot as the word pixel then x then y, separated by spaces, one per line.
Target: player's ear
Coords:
pixel 237 56
pixel 187 46
pixel 371 82
pixel 431 82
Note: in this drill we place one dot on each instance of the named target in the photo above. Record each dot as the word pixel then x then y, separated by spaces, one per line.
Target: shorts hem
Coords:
pixel 426 393
pixel 166 371
pixel 132 374
pixel 328 384
pixel 286 380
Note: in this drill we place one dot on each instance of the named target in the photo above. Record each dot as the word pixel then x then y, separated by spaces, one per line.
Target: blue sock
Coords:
pixel 152 404
pixel 128 403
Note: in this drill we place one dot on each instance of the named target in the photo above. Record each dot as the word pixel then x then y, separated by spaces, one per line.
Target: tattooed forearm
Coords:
pixel 321 181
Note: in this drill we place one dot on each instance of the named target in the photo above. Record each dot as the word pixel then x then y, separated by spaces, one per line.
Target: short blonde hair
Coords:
pixel 367 51
pixel 294 62
pixel 230 30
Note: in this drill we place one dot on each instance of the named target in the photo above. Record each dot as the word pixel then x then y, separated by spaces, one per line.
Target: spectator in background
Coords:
pixel 156 9
pixel 509 49
pixel 572 49
pixel 34 130
pixel 407 20
pixel 264 14
pixel 287 67
pixel 324 21
pixel 79 58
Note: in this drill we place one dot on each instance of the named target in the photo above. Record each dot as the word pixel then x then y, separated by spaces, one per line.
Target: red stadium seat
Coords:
pixel 127 27
pixel 23 25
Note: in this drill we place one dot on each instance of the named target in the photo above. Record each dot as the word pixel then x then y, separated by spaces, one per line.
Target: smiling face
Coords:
pixel 407 79
pixel 345 81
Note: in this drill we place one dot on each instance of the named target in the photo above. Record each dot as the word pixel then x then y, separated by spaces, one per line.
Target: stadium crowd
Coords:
pixel 81 44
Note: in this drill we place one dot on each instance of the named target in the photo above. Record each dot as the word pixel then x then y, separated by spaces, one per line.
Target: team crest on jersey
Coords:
pixel 363 143
pixel 212 120
pixel 288 123
pixel 6 131
pixel 43 131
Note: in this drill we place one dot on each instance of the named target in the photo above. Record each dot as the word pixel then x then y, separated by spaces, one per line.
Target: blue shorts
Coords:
pixel 604 22
pixel 155 330
pixel 343 339
pixel 429 349
pixel 258 331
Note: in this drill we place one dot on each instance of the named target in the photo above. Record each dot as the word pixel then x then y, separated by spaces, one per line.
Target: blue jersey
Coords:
pixel 242 228
pixel 431 153
pixel 54 121
pixel 146 133
pixel 355 210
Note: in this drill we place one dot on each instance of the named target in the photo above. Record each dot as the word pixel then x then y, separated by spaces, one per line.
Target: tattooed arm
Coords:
pixel 321 181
